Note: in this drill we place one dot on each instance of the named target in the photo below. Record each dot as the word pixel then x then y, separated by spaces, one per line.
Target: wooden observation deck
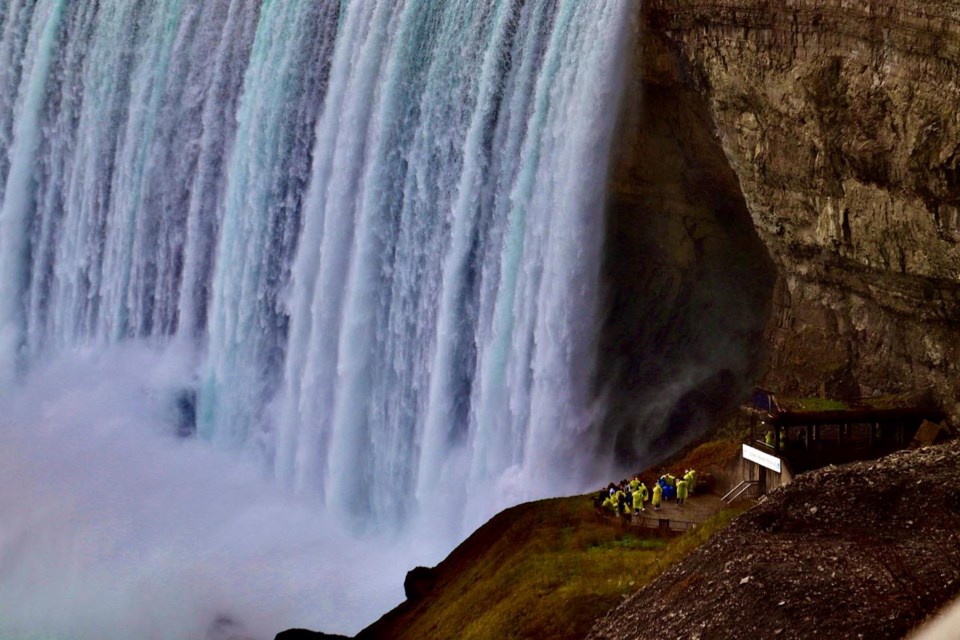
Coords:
pixel 814 432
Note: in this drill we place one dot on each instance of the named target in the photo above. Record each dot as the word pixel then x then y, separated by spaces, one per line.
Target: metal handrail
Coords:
pixel 739 490
pixel 732 491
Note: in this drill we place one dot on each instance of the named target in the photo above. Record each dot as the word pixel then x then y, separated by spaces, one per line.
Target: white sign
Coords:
pixel 761 458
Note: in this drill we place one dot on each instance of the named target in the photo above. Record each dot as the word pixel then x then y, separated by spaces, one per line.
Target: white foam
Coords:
pixel 113 527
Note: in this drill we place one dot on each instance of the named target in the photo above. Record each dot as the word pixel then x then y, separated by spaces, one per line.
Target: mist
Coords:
pixel 114 527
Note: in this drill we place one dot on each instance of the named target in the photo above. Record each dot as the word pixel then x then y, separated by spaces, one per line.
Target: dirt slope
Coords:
pixel 861 551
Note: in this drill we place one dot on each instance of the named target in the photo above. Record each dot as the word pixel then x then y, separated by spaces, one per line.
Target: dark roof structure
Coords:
pixel 810 433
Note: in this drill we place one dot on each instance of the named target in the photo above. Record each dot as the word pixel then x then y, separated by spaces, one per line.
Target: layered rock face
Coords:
pixel 690 280
pixel 841 122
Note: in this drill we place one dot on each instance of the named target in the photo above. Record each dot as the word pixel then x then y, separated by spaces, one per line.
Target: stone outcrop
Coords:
pixel 841 123
pixel 305 634
pixel 419 582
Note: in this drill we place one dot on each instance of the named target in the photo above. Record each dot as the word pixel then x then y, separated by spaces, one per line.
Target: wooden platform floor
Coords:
pixel 694 510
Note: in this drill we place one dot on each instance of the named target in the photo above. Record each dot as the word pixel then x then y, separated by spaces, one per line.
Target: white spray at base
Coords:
pixel 114 528
pixel 366 232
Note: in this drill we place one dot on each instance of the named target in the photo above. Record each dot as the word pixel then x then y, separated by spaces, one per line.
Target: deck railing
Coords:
pixel 739 491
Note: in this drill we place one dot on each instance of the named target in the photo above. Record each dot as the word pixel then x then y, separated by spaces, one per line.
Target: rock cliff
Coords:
pixel 840 121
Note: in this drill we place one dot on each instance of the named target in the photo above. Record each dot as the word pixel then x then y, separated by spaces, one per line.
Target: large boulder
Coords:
pixel 419 582
pixel 304 634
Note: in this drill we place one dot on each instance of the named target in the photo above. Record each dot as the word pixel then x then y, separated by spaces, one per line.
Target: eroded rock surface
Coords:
pixel 841 121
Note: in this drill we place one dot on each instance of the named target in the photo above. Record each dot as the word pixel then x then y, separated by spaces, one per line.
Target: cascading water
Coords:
pixel 458 198
pixel 283 90
pixel 367 232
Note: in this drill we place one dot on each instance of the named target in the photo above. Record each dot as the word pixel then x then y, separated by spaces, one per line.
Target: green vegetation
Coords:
pixel 690 541
pixel 716 453
pixel 546 569
pixel 549 569
pixel 914 399
pixel 818 404
pixel 631 542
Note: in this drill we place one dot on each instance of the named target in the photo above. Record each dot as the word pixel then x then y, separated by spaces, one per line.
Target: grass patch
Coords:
pixel 682 546
pixel 547 569
pixel 718 453
pixel 818 404
pixel 631 542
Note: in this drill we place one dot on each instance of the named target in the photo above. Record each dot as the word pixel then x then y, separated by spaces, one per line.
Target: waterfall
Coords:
pixel 458 197
pixel 22 152
pixel 369 232
pixel 133 122
pixel 283 89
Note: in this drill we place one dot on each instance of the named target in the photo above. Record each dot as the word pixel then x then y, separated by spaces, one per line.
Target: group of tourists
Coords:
pixel 630 497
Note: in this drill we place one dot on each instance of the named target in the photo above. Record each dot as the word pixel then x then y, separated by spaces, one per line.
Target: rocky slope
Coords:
pixel 860 551
pixel 841 123
pixel 544 569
